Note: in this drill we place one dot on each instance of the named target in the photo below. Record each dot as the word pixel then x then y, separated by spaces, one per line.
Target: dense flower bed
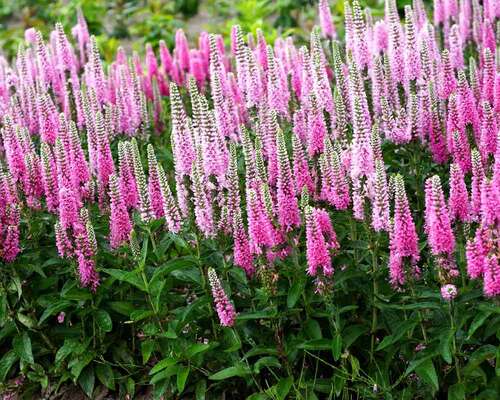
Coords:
pixel 313 221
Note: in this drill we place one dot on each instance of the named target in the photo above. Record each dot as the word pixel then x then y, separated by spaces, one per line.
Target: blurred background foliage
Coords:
pixel 132 23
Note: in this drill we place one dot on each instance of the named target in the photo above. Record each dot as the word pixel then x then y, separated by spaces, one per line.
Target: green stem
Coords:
pixel 420 318
pixel 204 283
pixel 150 301
pixel 375 294
pixel 454 343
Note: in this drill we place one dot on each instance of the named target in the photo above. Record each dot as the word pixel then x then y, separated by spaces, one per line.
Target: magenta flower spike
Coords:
pixel 9 248
pixel 318 255
pixel 128 184
pixel 381 37
pixel 380 201
pixel 412 59
pixel 448 82
pixel 225 309
pixel 202 203
pixel 489 204
pixel 242 253
pixel 492 276
pixel 260 227
pixel 475 254
pixel 288 210
pixel 119 219
pixel 476 183
pixel 68 208
pixel 361 51
pixel 105 164
pixel 438 227
pixel 440 236
pixel 170 207
pixel 49 178
pixel 325 20
pixel 154 184
pixel 458 202
pixel 182 49
pixel 489 131
pixel 301 172
pixel 403 237
pixel 456 48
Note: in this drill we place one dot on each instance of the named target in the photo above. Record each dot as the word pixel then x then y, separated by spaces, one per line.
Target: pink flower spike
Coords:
pixel 325 20
pixel 225 309
pixel 459 198
pixel 120 225
pixel 318 255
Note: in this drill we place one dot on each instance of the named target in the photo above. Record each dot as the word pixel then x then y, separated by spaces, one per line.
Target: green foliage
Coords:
pixel 151 321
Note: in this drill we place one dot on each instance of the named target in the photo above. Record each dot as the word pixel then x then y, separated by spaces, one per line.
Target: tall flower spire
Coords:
pixel 154 188
pixel 380 202
pixel 225 309
pixel 403 237
pixel 325 20
pixel 318 255
pixel 119 220
pixel 459 198
pixel 288 210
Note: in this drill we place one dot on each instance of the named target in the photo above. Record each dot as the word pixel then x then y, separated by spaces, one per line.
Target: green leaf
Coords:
pixel 104 320
pixel 131 277
pixel 316 344
pixel 238 370
pixel 201 389
pixel 294 293
pixel 173 265
pixel 144 253
pixel 196 348
pixel 478 321
pixel 497 363
pixel 156 290
pixel 87 380
pixel 6 364
pixel 399 332
pixel 78 364
pixel 54 308
pixel 266 362
pixel 164 374
pixel 337 347
pixel 354 366
pixel 483 353
pixel 26 320
pixel 139 315
pixel 258 396
pixel 122 307
pixel 444 345
pixel 182 375
pixel 352 333
pixel 69 346
pixel 130 387
pixel 161 365
pixel 188 275
pixel 22 347
pixel 313 329
pixel 232 339
pixel 105 375
pixel 146 349
pixel 427 372
pixel 263 314
pixel 338 383
pixel 456 392
pixel 283 387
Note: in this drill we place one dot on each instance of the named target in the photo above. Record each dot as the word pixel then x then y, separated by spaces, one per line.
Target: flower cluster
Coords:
pixel 336 108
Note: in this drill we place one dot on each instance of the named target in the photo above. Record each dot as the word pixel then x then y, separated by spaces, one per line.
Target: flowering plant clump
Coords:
pixel 260 220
